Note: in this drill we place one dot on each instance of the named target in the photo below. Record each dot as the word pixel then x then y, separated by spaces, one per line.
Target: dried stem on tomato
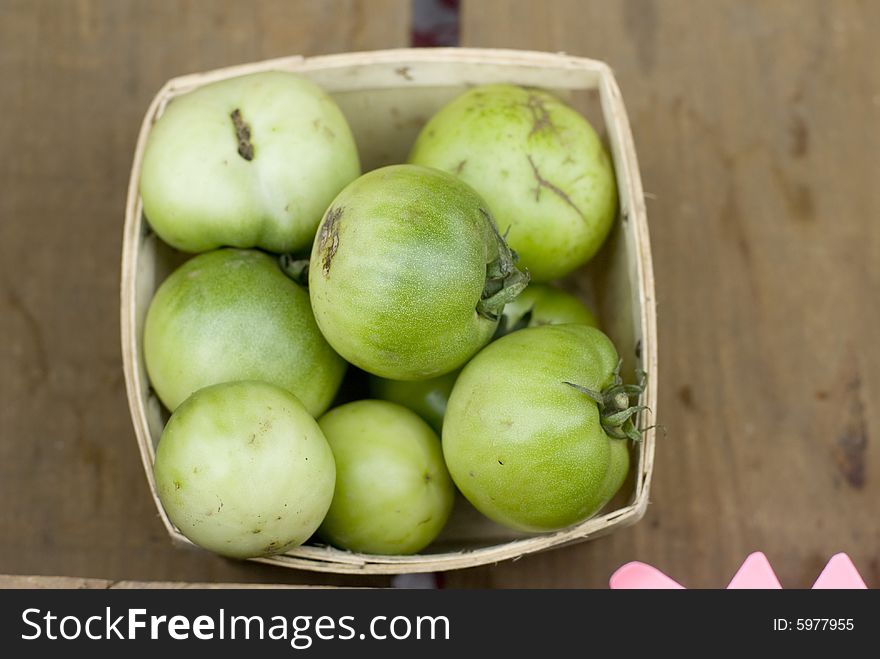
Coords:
pixel 504 281
pixel 617 413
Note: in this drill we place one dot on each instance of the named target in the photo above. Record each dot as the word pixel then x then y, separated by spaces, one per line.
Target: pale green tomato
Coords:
pixel 393 493
pixel 248 162
pixel 233 315
pixel 408 273
pixel 538 164
pixel 618 469
pixel 524 446
pixel 427 398
pixel 243 470
pixel 542 304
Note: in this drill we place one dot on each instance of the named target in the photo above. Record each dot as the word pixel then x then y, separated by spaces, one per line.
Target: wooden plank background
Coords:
pixel 8 581
pixel 757 130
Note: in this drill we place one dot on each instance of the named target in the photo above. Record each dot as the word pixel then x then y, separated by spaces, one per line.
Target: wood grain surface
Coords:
pixel 757 126
pixel 8 581
pixel 757 130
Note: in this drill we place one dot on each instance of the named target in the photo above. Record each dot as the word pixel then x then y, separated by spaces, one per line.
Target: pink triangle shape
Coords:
pixel 755 573
pixel 840 573
pixel 639 576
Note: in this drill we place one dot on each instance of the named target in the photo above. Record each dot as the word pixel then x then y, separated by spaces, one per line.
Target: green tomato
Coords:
pixel 247 162
pixel 393 493
pixel 243 470
pixel 233 315
pixel 542 304
pixel 427 398
pixel 524 441
pixel 538 164
pixel 408 273
pixel 618 469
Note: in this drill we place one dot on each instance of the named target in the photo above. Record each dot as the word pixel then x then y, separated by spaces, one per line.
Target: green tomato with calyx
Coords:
pixel 535 435
pixel 251 161
pixel 408 274
pixel 539 165
pixel 233 315
pixel 427 398
pixel 393 493
pixel 543 304
pixel 242 469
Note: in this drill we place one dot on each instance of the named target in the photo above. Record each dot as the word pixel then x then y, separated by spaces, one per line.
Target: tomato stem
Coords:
pixel 243 135
pixel 504 281
pixel 616 413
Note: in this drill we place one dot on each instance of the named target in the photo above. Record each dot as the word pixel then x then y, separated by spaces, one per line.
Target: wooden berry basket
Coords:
pixel 387 97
